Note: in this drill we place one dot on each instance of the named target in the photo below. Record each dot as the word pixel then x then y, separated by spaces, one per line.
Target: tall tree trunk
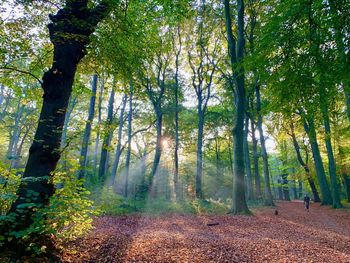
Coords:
pixel 305 166
pixel 267 188
pixel 176 149
pixel 331 162
pixel 19 149
pixel 87 132
pixel 15 132
pixel 250 193
pixel 128 153
pixel 347 186
pixel 118 150
pixel 158 153
pixel 199 164
pixel 99 120
pixel 57 85
pixel 217 154
pixel 239 204
pixel 309 127
pixel 107 138
pixel 285 187
pixel 256 163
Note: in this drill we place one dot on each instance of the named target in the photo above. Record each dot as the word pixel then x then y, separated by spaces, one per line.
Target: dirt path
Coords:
pixel 294 235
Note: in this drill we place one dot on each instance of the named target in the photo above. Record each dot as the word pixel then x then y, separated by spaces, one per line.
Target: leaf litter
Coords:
pixel 294 235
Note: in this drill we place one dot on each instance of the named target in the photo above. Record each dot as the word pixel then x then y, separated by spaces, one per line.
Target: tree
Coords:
pixel 69 31
pixel 236 51
pixel 84 148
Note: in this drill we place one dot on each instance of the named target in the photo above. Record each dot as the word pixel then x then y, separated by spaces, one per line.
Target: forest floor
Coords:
pixel 294 235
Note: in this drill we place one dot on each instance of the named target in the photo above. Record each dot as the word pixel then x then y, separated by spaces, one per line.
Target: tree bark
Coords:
pixel 107 138
pixel 256 163
pixel 71 105
pixel 128 154
pixel 347 186
pixel 199 164
pixel 309 127
pixel 87 132
pixel 239 204
pixel 305 166
pixel 331 162
pixel 176 91
pixel 158 153
pixel 99 120
pixel 15 132
pixel 57 85
pixel 267 188
pixel 118 150
pixel 250 193
pixel 285 187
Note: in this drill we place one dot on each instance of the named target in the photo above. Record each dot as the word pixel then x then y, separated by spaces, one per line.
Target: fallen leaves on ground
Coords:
pixel 294 235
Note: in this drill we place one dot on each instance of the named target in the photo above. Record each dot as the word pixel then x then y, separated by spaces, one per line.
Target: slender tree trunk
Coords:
pixel 87 132
pixel 321 175
pixel 57 85
pixel 4 110
pixel 158 153
pixel 239 204
pixel 256 163
pixel 305 166
pixel 280 190
pixel 15 132
pixel 176 150
pixel 267 188
pixel 217 154
pixel 250 194
pixel 19 149
pixel 128 154
pixel 230 154
pixel 199 164
pixel 331 161
pixel 99 120
pixel 107 138
pixel 347 186
pixel 285 187
pixel 118 150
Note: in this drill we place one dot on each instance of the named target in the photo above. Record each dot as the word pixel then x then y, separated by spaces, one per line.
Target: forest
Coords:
pixel 174 131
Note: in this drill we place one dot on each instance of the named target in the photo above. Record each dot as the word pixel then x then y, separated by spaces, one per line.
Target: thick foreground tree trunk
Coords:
pixel 57 85
pixel 239 204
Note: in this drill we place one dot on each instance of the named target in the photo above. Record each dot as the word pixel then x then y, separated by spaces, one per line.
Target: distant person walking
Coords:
pixel 307 202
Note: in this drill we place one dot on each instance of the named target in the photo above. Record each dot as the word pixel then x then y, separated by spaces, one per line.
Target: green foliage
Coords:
pixel 68 215
pixel 111 203
pixel 9 182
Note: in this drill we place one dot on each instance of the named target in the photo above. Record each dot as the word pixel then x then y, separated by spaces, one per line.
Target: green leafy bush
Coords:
pixel 9 182
pixel 68 215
